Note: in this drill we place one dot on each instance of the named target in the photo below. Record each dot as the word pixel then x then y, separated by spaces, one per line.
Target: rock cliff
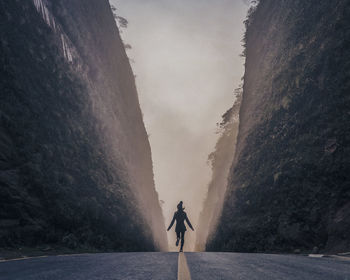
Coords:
pixel 289 185
pixel 75 161
pixel 221 161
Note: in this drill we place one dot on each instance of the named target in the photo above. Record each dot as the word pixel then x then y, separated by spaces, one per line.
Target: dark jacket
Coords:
pixel 180 217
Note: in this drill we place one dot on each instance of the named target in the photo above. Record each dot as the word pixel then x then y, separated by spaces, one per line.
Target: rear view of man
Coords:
pixel 180 216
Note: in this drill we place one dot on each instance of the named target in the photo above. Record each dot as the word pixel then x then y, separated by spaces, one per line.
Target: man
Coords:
pixel 180 216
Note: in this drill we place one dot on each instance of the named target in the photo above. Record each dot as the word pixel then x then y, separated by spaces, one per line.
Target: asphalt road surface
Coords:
pixel 115 266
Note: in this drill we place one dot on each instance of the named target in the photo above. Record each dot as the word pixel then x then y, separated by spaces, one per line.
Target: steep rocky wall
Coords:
pixel 221 160
pixel 289 182
pixel 75 161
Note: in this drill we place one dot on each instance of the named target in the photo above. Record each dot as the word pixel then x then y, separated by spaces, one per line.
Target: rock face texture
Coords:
pixel 75 161
pixel 289 184
pixel 221 161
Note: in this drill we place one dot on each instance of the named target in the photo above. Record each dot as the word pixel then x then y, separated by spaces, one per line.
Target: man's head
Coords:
pixel 179 206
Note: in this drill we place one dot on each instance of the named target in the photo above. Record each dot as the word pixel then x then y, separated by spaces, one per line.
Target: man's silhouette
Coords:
pixel 180 216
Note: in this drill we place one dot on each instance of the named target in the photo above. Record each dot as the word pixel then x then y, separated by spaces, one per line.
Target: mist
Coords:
pixel 186 58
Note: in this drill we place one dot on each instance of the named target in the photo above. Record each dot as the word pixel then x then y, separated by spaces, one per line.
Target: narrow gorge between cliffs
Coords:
pixel 112 112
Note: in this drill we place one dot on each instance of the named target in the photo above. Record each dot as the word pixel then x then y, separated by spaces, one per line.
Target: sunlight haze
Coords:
pixel 186 58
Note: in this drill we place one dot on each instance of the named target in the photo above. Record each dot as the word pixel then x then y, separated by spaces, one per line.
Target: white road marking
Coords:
pixel 183 273
pixel 316 256
pixel 22 258
pixel 44 256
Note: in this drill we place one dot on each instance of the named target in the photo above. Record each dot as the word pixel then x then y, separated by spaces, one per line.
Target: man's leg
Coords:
pixel 182 240
pixel 177 238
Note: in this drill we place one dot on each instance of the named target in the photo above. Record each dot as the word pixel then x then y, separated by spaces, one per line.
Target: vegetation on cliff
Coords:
pixel 289 184
pixel 71 133
pixel 220 160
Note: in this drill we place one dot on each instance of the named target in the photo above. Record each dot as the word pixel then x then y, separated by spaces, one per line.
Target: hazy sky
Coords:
pixel 186 59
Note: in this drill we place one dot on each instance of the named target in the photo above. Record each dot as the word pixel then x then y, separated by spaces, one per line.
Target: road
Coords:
pixel 135 266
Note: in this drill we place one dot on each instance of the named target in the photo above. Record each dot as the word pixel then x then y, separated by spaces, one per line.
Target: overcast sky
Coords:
pixel 187 63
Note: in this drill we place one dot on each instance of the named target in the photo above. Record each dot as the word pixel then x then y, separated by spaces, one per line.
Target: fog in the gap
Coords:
pixel 187 63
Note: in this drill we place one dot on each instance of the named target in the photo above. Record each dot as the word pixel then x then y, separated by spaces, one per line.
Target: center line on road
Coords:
pixel 183 273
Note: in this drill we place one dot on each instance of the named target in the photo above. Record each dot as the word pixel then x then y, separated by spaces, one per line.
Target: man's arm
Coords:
pixel 172 222
pixel 189 223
